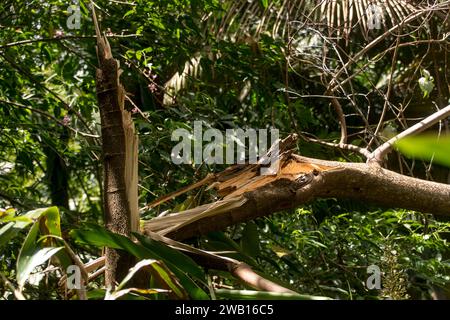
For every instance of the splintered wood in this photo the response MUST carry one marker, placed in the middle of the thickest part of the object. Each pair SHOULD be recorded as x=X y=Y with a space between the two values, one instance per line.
x=232 y=185
x=249 y=179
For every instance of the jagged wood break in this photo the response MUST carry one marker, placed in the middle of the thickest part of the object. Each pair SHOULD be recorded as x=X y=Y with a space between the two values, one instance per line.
x=246 y=195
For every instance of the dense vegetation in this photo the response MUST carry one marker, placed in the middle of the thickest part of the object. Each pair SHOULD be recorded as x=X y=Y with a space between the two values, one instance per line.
x=229 y=64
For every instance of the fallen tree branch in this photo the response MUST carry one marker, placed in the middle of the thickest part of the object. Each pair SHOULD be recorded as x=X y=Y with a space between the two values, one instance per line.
x=248 y=196
x=251 y=278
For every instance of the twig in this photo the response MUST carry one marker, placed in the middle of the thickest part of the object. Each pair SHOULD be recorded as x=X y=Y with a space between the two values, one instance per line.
x=388 y=94
x=345 y=146
x=334 y=82
x=19 y=105
x=17 y=293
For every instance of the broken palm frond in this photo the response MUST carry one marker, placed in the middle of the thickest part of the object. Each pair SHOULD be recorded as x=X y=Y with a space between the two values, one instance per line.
x=248 y=19
x=171 y=222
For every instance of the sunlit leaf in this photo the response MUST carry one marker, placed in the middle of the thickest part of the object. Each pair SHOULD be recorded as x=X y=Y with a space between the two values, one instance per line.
x=10 y=230
x=163 y=274
x=280 y=251
x=102 y=238
x=427 y=147
x=31 y=255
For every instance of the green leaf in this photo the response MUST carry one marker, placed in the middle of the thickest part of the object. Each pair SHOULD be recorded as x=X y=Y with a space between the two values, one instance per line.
x=101 y=237
x=132 y=11
x=52 y=221
x=163 y=273
x=426 y=83
x=10 y=230
x=31 y=255
x=426 y=147
x=172 y=256
x=250 y=240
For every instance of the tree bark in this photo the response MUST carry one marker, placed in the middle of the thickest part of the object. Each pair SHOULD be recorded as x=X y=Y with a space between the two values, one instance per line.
x=119 y=150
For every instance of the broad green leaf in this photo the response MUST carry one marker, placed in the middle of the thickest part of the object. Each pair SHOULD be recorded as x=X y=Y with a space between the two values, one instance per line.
x=27 y=263
x=169 y=255
x=10 y=230
x=52 y=221
x=170 y=280
x=250 y=240
x=426 y=147
x=163 y=274
x=31 y=255
x=6 y=214
x=102 y=238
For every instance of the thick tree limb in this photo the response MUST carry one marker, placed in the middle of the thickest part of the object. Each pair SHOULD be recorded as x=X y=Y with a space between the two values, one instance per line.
x=300 y=180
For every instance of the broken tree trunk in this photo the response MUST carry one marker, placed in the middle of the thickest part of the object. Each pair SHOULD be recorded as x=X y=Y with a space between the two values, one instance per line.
x=119 y=150
x=248 y=195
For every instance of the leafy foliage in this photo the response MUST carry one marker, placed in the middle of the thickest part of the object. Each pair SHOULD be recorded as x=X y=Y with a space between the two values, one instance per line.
x=228 y=64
